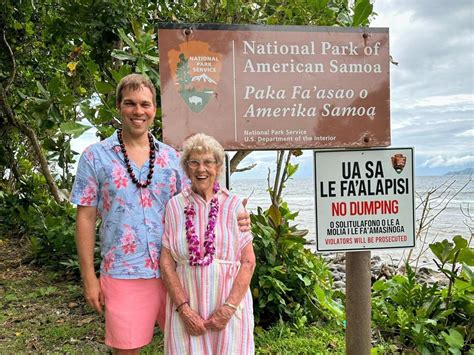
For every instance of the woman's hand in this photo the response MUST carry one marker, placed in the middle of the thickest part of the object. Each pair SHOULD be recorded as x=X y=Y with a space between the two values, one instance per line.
x=219 y=318
x=193 y=322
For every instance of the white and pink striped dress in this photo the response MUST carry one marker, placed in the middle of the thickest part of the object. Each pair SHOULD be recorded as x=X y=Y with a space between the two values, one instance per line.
x=208 y=286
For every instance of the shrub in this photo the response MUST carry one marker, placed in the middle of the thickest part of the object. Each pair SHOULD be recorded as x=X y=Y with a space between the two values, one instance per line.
x=289 y=283
x=51 y=233
x=31 y=214
x=427 y=318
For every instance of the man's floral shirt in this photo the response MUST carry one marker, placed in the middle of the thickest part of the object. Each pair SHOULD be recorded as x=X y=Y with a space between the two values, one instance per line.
x=131 y=218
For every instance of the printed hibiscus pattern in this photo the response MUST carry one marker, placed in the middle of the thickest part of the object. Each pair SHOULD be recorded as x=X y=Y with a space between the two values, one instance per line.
x=90 y=194
x=106 y=197
x=145 y=199
x=128 y=240
x=162 y=159
x=109 y=259
x=119 y=175
x=153 y=262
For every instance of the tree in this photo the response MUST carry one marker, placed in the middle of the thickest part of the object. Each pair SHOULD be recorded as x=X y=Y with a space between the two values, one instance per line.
x=60 y=61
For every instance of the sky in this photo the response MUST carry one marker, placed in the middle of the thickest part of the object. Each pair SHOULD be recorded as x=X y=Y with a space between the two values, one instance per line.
x=432 y=87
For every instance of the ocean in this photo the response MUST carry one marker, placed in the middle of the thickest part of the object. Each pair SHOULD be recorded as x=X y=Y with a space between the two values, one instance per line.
x=452 y=210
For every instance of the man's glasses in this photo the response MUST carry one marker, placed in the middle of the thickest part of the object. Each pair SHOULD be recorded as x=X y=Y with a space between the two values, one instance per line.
x=208 y=163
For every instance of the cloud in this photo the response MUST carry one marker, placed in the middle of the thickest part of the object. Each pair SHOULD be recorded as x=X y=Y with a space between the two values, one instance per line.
x=468 y=133
x=432 y=42
x=432 y=98
x=458 y=101
x=443 y=161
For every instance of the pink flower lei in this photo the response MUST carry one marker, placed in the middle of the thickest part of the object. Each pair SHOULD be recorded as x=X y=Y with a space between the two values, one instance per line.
x=195 y=257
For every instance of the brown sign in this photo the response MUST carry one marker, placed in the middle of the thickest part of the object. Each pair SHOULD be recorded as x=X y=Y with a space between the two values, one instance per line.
x=275 y=87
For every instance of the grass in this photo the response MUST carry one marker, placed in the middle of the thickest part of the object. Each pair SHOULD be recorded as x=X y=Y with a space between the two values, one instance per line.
x=316 y=339
x=43 y=311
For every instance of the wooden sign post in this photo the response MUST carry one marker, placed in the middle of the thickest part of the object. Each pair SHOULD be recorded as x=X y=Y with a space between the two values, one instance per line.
x=358 y=303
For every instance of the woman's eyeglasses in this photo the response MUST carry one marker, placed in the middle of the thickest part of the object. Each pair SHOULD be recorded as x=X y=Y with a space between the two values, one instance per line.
x=208 y=163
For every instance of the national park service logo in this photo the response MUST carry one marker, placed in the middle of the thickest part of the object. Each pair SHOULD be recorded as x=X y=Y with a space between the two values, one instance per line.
x=196 y=71
x=398 y=162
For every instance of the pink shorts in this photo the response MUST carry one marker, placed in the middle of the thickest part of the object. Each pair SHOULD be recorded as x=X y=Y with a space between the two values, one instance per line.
x=132 y=308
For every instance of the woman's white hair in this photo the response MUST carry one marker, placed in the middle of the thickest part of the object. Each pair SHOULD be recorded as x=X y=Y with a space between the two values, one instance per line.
x=202 y=143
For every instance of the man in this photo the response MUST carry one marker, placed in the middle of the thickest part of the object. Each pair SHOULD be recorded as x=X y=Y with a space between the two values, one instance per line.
x=126 y=180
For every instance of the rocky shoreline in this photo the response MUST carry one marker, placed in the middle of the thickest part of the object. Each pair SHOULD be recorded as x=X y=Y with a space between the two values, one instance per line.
x=380 y=269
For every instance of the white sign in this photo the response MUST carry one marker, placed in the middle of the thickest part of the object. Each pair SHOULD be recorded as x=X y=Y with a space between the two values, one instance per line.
x=364 y=199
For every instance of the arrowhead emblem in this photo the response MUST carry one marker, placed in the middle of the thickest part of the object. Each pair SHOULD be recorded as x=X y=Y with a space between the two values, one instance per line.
x=196 y=72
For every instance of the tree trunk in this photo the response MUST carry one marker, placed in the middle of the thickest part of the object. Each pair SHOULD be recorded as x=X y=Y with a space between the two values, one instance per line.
x=32 y=137
x=204 y=5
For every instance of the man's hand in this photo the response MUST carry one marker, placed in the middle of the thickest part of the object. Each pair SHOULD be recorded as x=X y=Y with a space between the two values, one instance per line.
x=243 y=218
x=93 y=294
x=219 y=319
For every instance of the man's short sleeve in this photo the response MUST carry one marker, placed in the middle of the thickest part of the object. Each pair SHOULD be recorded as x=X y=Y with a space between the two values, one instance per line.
x=86 y=185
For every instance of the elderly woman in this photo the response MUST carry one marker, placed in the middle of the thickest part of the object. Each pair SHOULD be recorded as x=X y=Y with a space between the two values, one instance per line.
x=206 y=262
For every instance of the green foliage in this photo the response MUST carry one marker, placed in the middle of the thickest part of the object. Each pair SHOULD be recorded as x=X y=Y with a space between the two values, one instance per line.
x=406 y=310
x=16 y=206
x=283 y=338
x=289 y=283
x=449 y=254
x=48 y=227
x=51 y=229
x=427 y=318
x=362 y=10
